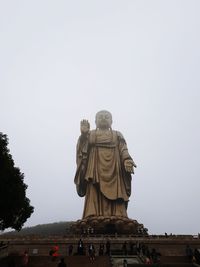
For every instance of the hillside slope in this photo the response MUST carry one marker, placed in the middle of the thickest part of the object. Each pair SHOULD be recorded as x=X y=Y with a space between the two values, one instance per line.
x=57 y=228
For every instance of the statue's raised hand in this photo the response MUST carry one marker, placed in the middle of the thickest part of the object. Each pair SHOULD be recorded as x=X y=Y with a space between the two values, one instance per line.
x=85 y=127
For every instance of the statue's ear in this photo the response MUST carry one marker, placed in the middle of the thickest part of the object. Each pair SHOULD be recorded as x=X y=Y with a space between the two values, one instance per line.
x=96 y=123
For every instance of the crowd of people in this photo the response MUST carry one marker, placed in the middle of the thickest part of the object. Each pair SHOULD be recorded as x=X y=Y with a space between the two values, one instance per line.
x=149 y=255
x=83 y=249
x=192 y=254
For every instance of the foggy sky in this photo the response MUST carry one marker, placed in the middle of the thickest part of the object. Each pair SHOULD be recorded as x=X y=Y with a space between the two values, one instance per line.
x=62 y=61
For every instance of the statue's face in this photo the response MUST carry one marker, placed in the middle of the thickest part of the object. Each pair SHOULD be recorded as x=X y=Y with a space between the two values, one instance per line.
x=103 y=119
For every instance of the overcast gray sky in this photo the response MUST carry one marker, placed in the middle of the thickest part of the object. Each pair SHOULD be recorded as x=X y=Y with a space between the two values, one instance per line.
x=62 y=61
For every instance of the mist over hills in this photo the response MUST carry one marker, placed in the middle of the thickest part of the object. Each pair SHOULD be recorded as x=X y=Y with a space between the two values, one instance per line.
x=57 y=228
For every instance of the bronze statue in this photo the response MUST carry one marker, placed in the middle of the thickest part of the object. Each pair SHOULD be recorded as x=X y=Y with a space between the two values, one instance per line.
x=104 y=169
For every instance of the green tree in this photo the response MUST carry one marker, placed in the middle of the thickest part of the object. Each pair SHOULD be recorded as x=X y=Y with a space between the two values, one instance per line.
x=15 y=207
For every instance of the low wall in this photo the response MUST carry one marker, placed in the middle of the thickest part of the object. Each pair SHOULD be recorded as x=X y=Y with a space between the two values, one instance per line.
x=36 y=246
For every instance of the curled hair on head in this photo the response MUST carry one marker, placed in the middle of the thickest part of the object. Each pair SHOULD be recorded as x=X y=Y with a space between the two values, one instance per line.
x=103 y=111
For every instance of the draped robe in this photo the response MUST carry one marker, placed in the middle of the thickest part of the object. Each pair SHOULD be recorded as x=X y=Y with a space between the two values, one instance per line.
x=100 y=174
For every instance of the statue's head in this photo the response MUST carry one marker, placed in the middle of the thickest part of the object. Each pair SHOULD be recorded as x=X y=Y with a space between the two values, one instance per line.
x=103 y=119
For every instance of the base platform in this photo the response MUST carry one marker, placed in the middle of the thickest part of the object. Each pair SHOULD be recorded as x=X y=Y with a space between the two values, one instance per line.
x=108 y=225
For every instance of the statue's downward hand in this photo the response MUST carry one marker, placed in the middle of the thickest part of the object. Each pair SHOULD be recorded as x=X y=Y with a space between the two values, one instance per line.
x=129 y=164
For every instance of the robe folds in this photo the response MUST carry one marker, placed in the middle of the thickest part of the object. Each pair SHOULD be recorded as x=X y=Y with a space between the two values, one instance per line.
x=100 y=174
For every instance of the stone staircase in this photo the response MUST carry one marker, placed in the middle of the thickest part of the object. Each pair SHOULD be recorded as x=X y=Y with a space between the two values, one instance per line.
x=171 y=250
x=100 y=261
x=165 y=261
x=175 y=261
x=118 y=260
x=46 y=261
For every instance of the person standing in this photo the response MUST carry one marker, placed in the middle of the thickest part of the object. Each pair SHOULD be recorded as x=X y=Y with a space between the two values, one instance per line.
x=25 y=259
x=62 y=263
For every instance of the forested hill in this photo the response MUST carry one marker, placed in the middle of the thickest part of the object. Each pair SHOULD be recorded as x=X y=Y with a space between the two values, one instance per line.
x=58 y=228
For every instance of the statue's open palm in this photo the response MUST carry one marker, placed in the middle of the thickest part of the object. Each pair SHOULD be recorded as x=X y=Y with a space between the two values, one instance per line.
x=85 y=126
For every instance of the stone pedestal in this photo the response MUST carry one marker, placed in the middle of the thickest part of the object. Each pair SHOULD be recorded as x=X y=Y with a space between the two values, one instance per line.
x=108 y=225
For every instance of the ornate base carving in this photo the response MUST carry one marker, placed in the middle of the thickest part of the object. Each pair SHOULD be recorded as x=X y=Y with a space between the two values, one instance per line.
x=108 y=225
